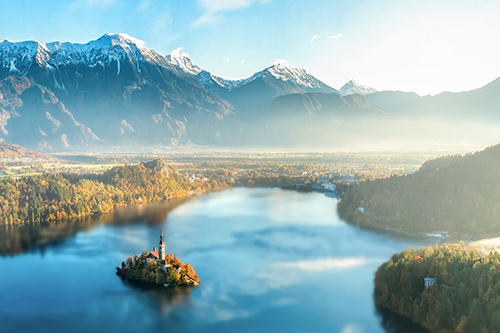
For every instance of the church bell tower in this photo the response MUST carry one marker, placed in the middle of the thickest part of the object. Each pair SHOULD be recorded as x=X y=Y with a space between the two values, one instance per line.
x=161 y=249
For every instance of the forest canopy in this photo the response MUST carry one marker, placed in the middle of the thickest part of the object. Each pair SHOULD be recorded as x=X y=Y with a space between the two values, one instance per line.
x=56 y=197
x=457 y=194
x=464 y=298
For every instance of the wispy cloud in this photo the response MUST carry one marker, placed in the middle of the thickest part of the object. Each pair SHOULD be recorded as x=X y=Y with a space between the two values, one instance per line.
x=179 y=52
x=243 y=61
x=281 y=62
x=326 y=264
x=226 y=59
x=322 y=37
x=335 y=36
x=212 y=9
x=162 y=21
x=145 y=4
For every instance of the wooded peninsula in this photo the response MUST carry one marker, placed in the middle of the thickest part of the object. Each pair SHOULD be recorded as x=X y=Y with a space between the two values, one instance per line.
x=456 y=194
x=49 y=198
x=460 y=292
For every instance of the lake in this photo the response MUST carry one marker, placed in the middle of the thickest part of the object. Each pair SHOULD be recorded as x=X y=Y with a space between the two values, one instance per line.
x=268 y=260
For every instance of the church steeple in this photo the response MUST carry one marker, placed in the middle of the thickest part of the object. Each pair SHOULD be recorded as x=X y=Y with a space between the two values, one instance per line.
x=161 y=248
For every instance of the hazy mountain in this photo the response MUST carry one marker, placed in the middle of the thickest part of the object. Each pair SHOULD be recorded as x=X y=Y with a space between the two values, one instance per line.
x=10 y=154
x=353 y=88
x=252 y=96
x=114 y=91
x=121 y=90
x=31 y=114
x=479 y=104
x=314 y=119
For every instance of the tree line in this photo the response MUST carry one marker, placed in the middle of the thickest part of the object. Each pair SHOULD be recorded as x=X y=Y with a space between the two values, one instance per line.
x=464 y=298
x=58 y=197
x=457 y=194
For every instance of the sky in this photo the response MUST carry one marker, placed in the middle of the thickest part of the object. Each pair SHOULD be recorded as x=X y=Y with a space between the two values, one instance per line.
x=422 y=46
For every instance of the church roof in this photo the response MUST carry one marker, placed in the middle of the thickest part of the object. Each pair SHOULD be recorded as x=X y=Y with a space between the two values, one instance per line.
x=153 y=254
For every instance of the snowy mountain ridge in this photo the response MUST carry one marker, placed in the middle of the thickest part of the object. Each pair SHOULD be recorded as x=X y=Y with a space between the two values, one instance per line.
x=352 y=88
x=184 y=63
x=284 y=72
x=18 y=58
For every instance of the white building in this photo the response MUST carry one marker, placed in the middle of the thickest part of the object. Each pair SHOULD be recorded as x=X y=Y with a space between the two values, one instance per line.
x=428 y=281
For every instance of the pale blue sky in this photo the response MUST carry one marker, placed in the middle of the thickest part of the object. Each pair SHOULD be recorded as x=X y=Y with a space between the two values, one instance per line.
x=424 y=46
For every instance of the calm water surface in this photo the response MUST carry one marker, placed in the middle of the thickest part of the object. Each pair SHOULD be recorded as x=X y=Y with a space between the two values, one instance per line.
x=268 y=259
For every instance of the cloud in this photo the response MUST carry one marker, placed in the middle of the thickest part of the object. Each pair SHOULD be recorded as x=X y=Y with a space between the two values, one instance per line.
x=351 y=328
x=326 y=264
x=281 y=62
x=126 y=127
x=163 y=21
x=336 y=36
x=226 y=59
x=243 y=61
x=212 y=8
x=224 y=5
x=315 y=37
x=64 y=140
x=144 y=5
x=205 y=19
x=179 y=52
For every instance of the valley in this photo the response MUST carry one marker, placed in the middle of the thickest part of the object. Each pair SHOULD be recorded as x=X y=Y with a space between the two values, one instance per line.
x=249 y=166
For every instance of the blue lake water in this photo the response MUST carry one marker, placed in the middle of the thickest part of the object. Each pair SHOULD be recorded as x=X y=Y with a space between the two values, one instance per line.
x=268 y=259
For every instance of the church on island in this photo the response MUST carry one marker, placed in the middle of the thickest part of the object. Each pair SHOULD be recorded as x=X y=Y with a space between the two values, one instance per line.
x=156 y=267
x=158 y=255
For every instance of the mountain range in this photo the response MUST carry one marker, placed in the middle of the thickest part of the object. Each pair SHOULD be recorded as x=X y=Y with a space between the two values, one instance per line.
x=115 y=92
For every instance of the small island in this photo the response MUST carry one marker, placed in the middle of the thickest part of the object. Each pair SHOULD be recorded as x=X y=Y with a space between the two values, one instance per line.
x=155 y=267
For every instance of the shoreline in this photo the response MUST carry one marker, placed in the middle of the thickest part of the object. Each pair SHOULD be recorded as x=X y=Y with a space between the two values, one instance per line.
x=424 y=235
x=20 y=238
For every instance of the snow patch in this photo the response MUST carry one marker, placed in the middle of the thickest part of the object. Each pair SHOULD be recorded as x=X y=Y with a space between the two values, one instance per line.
x=352 y=87
x=13 y=68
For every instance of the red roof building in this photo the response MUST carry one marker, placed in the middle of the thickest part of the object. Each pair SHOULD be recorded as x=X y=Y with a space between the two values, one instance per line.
x=153 y=255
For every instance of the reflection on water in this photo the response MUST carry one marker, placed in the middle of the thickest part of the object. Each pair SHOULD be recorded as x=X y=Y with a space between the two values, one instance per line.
x=269 y=260
x=18 y=239
x=166 y=298
x=394 y=323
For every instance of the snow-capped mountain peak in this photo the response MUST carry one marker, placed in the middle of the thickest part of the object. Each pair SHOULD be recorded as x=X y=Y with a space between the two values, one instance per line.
x=18 y=57
x=121 y=39
x=117 y=49
x=287 y=73
x=184 y=63
x=352 y=87
x=6 y=40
